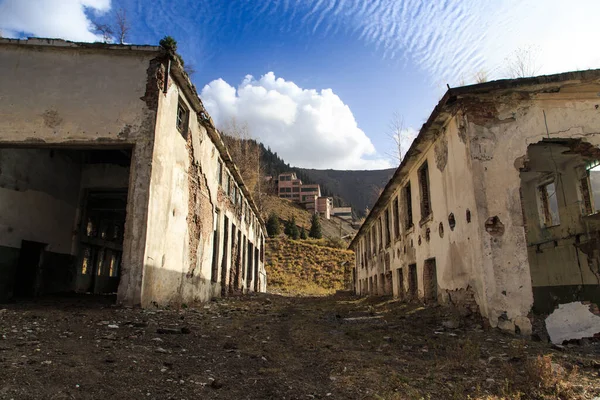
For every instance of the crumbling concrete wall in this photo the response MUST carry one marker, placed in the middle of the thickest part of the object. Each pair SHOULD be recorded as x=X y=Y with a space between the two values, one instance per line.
x=184 y=195
x=450 y=234
x=65 y=94
x=476 y=149
x=98 y=96
x=501 y=126
x=563 y=258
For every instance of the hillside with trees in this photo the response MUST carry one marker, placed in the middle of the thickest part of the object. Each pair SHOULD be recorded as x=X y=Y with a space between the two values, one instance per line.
x=255 y=161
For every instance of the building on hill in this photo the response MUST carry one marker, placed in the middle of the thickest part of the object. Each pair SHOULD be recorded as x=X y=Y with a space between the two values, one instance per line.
x=117 y=180
x=496 y=205
x=309 y=195
x=342 y=212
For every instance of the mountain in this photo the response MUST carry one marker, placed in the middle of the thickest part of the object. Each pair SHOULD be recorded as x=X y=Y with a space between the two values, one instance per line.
x=358 y=189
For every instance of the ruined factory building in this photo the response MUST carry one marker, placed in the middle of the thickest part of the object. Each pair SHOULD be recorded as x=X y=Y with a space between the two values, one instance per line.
x=113 y=178
x=496 y=206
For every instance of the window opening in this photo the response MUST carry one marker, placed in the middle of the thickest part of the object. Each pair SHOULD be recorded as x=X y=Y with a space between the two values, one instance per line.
x=591 y=188
x=220 y=173
x=549 y=200
x=408 y=202
x=182 y=118
x=396 y=213
x=388 y=234
x=424 y=187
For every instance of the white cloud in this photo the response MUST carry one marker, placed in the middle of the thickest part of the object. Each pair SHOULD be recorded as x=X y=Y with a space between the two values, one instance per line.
x=64 y=19
x=306 y=127
x=453 y=40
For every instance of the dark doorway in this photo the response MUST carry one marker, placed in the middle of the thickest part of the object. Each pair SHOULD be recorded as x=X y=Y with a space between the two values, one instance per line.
x=224 y=261
x=400 y=284
x=256 y=277
x=389 y=283
x=413 y=288
x=430 y=280
x=215 y=256
x=28 y=268
x=250 y=264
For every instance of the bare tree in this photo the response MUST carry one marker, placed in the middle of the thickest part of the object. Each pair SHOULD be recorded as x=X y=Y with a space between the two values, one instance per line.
x=522 y=62
x=246 y=154
x=481 y=76
x=105 y=30
x=122 y=26
x=395 y=129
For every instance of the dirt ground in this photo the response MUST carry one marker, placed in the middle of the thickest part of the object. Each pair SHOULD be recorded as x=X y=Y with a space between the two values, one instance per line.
x=272 y=347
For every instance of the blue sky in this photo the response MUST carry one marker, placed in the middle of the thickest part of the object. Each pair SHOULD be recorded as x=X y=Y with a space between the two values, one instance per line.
x=320 y=80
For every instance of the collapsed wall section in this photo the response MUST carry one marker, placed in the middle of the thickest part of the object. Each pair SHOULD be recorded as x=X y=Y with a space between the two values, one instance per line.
x=529 y=197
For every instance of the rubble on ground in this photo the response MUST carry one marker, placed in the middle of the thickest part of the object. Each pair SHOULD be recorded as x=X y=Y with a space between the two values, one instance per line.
x=572 y=321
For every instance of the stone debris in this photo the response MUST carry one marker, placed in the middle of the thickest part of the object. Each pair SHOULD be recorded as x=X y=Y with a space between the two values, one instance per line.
x=451 y=324
x=572 y=321
x=174 y=331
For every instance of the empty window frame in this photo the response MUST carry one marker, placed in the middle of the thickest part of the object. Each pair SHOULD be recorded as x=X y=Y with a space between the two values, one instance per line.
x=220 y=172
x=590 y=188
x=549 y=204
x=227 y=184
x=388 y=230
x=380 y=232
x=408 y=222
x=234 y=194
x=373 y=240
x=183 y=116
x=424 y=191
x=396 y=216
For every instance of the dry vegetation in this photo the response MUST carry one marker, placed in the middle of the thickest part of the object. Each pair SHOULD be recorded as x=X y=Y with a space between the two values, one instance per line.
x=306 y=267
x=285 y=209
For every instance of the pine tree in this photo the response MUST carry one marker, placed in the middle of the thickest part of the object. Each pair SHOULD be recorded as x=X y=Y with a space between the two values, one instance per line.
x=303 y=234
x=273 y=225
x=291 y=229
x=315 y=227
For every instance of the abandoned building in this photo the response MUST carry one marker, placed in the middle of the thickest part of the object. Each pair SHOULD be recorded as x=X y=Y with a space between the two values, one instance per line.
x=113 y=178
x=496 y=205
x=308 y=195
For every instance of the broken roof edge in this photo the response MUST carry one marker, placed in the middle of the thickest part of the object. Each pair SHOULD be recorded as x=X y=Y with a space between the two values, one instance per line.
x=62 y=43
x=191 y=93
x=512 y=83
x=452 y=93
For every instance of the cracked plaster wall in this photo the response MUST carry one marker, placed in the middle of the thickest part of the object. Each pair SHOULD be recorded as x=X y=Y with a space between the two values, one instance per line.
x=184 y=195
x=498 y=141
x=74 y=96
x=456 y=250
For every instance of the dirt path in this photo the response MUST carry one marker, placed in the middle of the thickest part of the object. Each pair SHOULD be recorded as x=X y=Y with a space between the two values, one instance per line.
x=270 y=347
